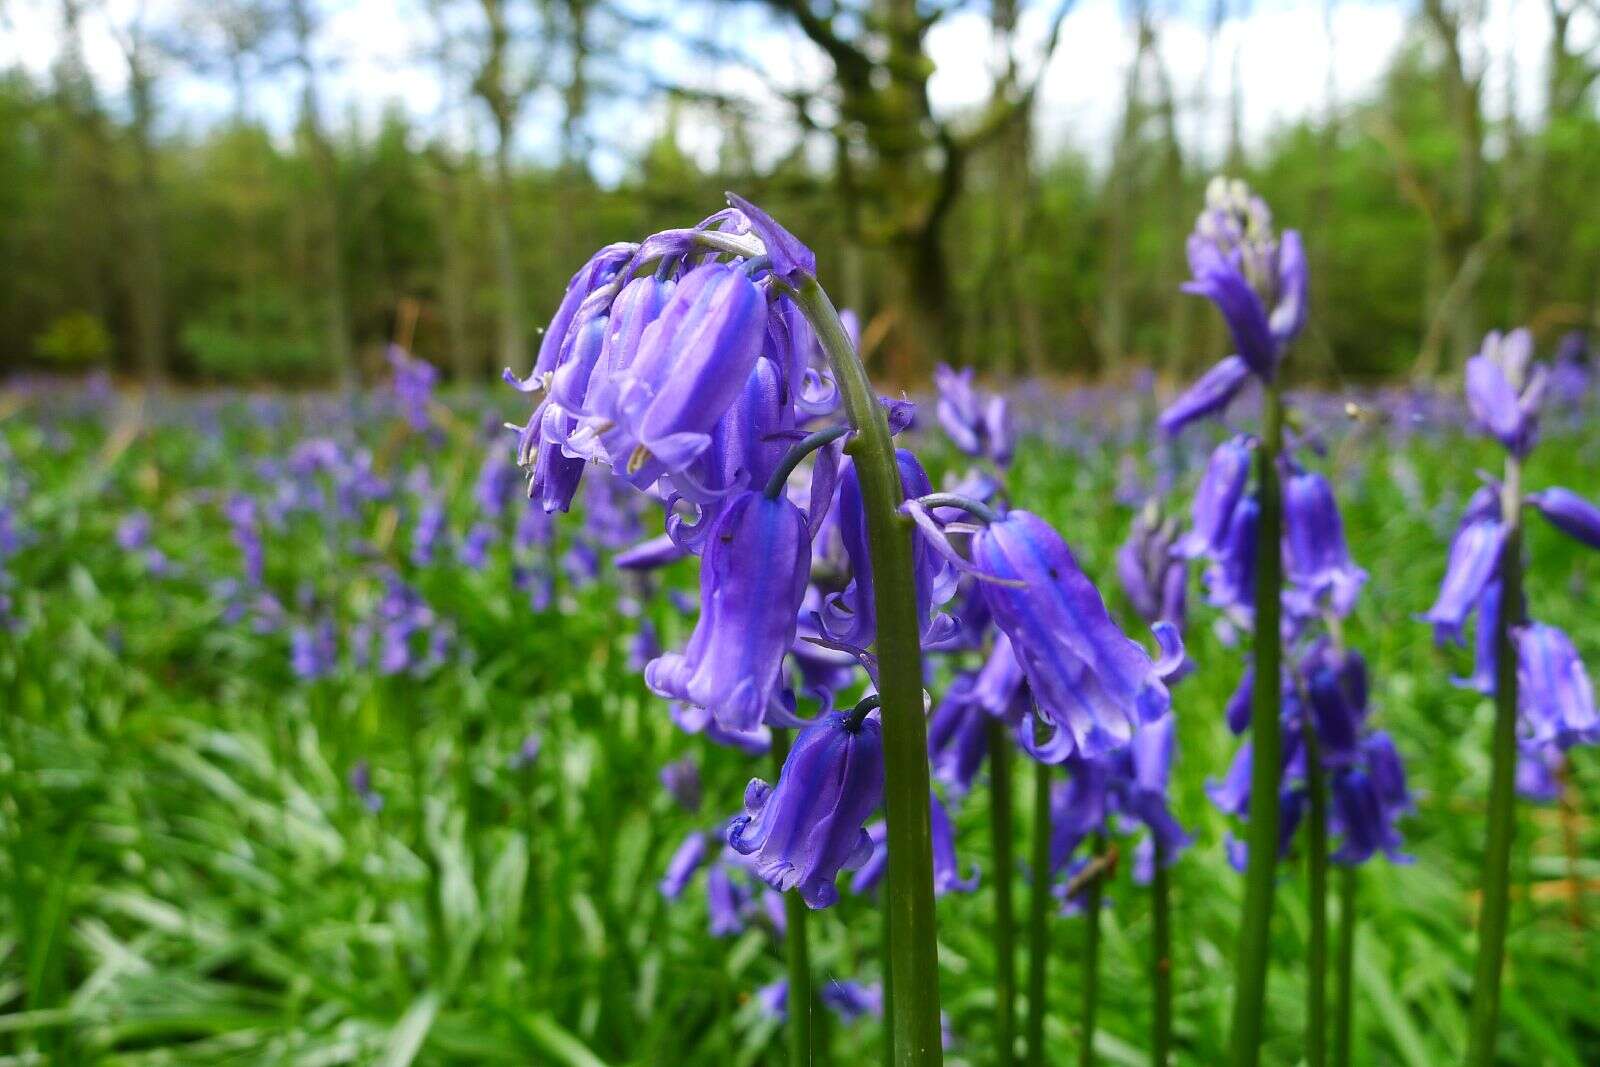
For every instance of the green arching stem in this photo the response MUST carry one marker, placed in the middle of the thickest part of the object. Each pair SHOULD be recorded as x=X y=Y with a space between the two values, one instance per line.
x=1039 y=915
x=803 y=448
x=1005 y=961
x=913 y=944
x=1161 y=959
x=1093 y=896
x=1344 y=967
x=1316 y=902
x=1494 y=916
x=1266 y=739
x=795 y=945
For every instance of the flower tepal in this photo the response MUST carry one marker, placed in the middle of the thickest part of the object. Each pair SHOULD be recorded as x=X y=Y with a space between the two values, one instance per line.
x=752 y=579
x=803 y=831
x=1090 y=679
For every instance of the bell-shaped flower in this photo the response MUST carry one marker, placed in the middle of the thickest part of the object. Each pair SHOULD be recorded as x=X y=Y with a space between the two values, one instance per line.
x=1154 y=578
x=1216 y=499
x=1319 y=568
x=1505 y=390
x=1474 y=562
x=1210 y=395
x=978 y=426
x=681 y=868
x=851 y=617
x=1569 y=513
x=1336 y=696
x=752 y=578
x=1554 y=692
x=656 y=415
x=946 y=867
x=1231 y=578
x=1089 y=680
x=958 y=736
x=801 y=832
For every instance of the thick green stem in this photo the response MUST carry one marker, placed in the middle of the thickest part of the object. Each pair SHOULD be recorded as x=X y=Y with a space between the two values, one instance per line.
x=913 y=944
x=1261 y=868
x=1502 y=787
x=1039 y=916
x=1316 y=903
x=1161 y=960
x=795 y=946
x=1344 y=990
x=1093 y=897
x=1005 y=963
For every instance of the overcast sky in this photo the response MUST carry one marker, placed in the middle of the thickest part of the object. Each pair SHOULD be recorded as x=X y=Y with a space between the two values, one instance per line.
x=377 y=52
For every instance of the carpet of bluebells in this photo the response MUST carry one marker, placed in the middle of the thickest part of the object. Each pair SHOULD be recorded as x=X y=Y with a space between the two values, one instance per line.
x=322 y=746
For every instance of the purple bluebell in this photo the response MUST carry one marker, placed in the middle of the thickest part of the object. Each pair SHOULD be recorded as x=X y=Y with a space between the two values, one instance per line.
x=1321 y=574
x=1257 y=279
x=803 y=831
x=978 y=426
x=473 y=551
x=1505 y=390
x=696 y=720
x=413 y=384
x=527 y=753
x=681 y=868
x=1155 y=579
x=427 y=532
x=1362 y=819
x=947 y=876
x=681 y=780
x=133 y=532
x=748 y=614
x=313 y=650
x=958 y=738
x=361 y=786
x=870 y=874
x=851 y=1000
x=1336 y=697
x=726 y=901
x=245 y=519
x=1569 y=513
x=1217 y=498
x=656 y=415
x=850 y=617
x=1088 y=679
x=1474 y=559
x=773 y=999
x=1537 y=773
x=497 y=483
x=1553 y=688
x=648 y=555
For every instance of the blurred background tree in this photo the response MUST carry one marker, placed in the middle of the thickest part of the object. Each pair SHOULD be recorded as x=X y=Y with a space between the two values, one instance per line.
x=219 y=190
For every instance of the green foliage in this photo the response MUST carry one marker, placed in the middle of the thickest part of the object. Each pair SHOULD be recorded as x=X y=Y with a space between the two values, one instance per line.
x=76 y=339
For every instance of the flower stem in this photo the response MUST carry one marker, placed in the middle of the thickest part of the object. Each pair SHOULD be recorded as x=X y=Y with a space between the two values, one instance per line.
x=1344 y=991
x=1494 y=915
x=1161 y=959
x=1039 y=915
x=913 y=943
x=795 y=946
x=1093 y=896
x=1005 y=979
x=1266 y=738
x=1316 y=902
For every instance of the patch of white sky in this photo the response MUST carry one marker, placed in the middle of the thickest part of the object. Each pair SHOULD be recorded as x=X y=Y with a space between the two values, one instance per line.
x=380 y=54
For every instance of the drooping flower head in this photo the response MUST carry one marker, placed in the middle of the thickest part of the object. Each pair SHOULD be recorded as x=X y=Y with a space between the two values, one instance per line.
x=803 y=831
x=1505 y=390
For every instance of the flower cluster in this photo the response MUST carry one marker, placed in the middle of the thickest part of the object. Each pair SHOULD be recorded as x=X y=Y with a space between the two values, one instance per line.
x=1556 y=705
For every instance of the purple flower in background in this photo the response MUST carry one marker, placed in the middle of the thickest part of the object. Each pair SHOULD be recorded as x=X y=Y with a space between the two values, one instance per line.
x=774 y=1000
x=726 y=901
x=851 y=1000
x=1555 y=694
x=681 y=778
x=946 y=867
x=133 y=532
x=1538 y=769
x=748 y=614
x=428 y=530
x=361 y=785
x=1319 y=567
x=497 y=483
x=1089 y=680
x=244 y=518
x=1336 y=696
x=958 y=736
x=979 y=427
x=527 y=753
x=1505 y=390
x=686 y=860
x=1569 y=513
x=1474 y=559
x=803 y=831
x=1153 y=576
x=1217 y=499
x=313 y=650
x=413 y=384
x=1365 y=819
x=473 y=551
x=1257 y=279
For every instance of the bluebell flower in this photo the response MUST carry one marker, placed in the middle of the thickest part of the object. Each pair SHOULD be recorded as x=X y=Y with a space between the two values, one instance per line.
x=313 y=650
x=947 y=877
x=361 y=785
x=1474 y=563
x=958 y=738
x=1321 y=574
x=1554 y=692
x=851 y=1000
x=803 y=831
x=1088 y=679
x=1153 y=576
x=1569 y=513
x=681 y=779
x=748 y=614
x=1505 y=390
x=978 y=426
x=726 y=902
x=413 y=384
x=686 y=860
